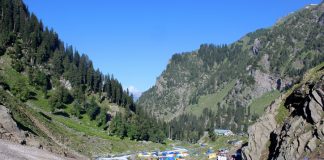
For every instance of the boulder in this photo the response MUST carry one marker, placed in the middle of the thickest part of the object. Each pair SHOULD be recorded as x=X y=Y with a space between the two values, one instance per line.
x=66 y=83
x=315 y=111
x=320 y=131
x=302 y=141
x=311 y=145
x=318 y=97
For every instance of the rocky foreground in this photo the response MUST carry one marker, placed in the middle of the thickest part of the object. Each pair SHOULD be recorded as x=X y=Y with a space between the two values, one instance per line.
x=13 y=151
x=22 y=145
x=293 y=127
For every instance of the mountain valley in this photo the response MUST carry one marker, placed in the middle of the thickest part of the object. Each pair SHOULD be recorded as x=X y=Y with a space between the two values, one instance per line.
x=260 y=97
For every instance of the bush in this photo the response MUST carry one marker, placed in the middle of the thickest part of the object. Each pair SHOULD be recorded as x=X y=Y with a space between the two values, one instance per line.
x=77 y=110
x=103 y=118
x=92 y=109
x=20 y=90
x=39 y=79
x=60 y=97
x=212 y=135
x=55 y=103
x=17 y=65
x=2 y=50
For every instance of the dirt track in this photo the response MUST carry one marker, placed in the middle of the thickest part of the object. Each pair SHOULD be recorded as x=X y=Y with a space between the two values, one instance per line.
x=11 y=151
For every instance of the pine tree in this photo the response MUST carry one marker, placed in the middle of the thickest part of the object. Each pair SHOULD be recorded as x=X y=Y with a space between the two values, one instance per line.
x=20 y=90
x=90 y=76
x=58 y=67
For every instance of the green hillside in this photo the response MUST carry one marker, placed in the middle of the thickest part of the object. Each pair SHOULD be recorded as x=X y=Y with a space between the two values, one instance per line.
x=56 y=95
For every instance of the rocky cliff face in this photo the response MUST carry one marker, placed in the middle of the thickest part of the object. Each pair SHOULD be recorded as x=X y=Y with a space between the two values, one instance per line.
x=300 y=134
x=259 y=134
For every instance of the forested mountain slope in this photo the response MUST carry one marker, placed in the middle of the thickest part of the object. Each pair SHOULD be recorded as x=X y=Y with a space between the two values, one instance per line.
x=237 y=81
x=53 y=98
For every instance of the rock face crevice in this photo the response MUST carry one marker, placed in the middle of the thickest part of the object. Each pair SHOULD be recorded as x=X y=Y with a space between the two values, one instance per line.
x=302 y=133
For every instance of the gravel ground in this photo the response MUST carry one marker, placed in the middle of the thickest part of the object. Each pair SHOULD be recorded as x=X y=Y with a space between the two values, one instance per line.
x=12 y=151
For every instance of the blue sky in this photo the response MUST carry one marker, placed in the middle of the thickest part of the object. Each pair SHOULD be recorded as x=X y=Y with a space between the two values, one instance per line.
x=134 y=39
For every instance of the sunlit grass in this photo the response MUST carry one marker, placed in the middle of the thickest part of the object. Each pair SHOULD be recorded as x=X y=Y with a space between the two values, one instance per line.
x=258 y=105
x=210 y=101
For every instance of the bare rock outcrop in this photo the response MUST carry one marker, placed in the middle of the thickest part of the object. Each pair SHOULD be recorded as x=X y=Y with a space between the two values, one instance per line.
x=256 y=46
x=259 y=133
x=66 y=83
x=8 y=127
x=302 y=125
x=10 y=131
